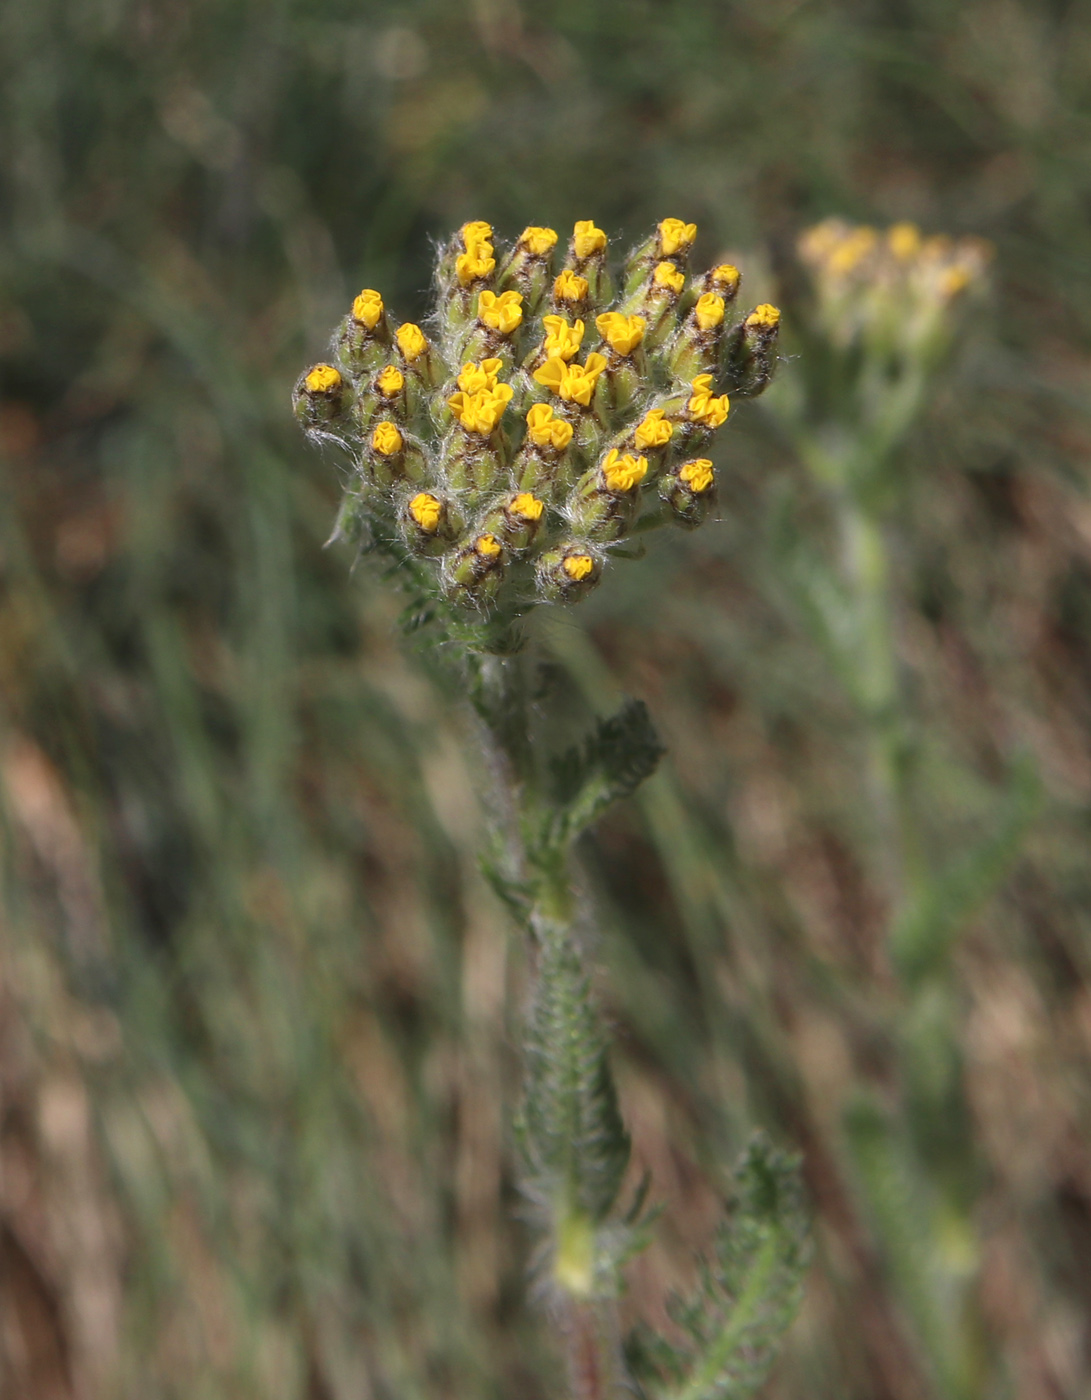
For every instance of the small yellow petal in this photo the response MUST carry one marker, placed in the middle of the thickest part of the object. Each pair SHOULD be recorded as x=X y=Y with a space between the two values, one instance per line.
x=709 y=311
x=653 y=430
x=411 y=341
x=538 y=241
x=526 y=506
x=426 y=511
x=577 y=566
x=765 y=315
x=697 y=475
x=367 y=308
x=570 y=287
x=488 y=546
x=676 y=236
x=727 y=276
x=387 y=439
x=668 y=276
x=622 y=473
x=587 y=239
x=390 y=382
x=323 y=379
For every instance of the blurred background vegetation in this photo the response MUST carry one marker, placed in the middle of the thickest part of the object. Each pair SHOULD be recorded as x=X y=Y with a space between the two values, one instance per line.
x=258 y=1011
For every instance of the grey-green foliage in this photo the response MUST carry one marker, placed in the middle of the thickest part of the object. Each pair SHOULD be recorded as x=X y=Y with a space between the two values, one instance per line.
x=612 y=762
x=572 y=1141
x=747 y=1293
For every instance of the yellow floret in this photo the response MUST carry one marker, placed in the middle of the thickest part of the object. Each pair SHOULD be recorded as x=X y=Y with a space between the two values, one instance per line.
x=426 y=511
x=667 y=275
x=851 y=251
x=526 y=506
x=705 y=407
x=475 y=265
x=726 y=275
x=481 y=411
x=622 y=333
x=544 y=430
x=577 y=566
x=709 y=311
x=387 y=439
x=623 y=473
x=390 y=382
x=697 y=475
x=653 y=430
x=570 y=287
x=676 y=236
x=367 y=308
x=503 y=313
x=574 y=383
x=323 y=379
x=411 y=341
x=473 y=378
x=764 y=315
x=475 y=233
x=904 y=241
x=562 y=340
x=538 y=241
x=488 y=546
x=587 y=239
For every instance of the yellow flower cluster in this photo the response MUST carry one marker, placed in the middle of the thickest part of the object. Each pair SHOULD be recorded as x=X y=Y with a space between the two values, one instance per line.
x=533 y=504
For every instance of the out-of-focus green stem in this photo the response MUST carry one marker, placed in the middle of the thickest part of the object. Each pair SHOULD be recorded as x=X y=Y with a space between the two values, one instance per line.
x=865 y=561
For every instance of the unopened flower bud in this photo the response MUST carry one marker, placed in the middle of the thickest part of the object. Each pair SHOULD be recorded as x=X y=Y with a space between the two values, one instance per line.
x=569 y=572
x=655 y=297
x=363 y=340
x=750 y=351
x=538 y=466
x=477 y=570
x=689 y=489
x=391 y=455
x=604 y=500
x=528 y=268
x=430 y=523
x=571 y=293
x=418 y=358
x=516 y=520
x=320 y=398
x=695 y=348
x=587 y=259
x=561 y=342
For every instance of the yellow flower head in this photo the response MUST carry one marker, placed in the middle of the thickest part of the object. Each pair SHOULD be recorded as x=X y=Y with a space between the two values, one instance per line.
x=481 y=411
x=953 y=281
x=475 y=233
x=904 y=241
x=709 y=311
x=538 y=241
x=577 y=566
x=386 y=439
x=487 y=546
x=562 y=339
x=546 y=431
x=574 y=383
x=475 y=265
x=727 y=276
x=503 y=313
x=474 y=378
x=704 y=406
x=570 y=287
x=367 y=308
x=676 y=236
x=653 y=430
x=426 y=511
x=323 y=379
x=622 y=333
x=765 y=316
x=851 y=251
x=390 y=382
x=526 y=507
x=587 y=239
x=411 y=341
x=697 y=475
x=667 y=275
x=623 y=473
